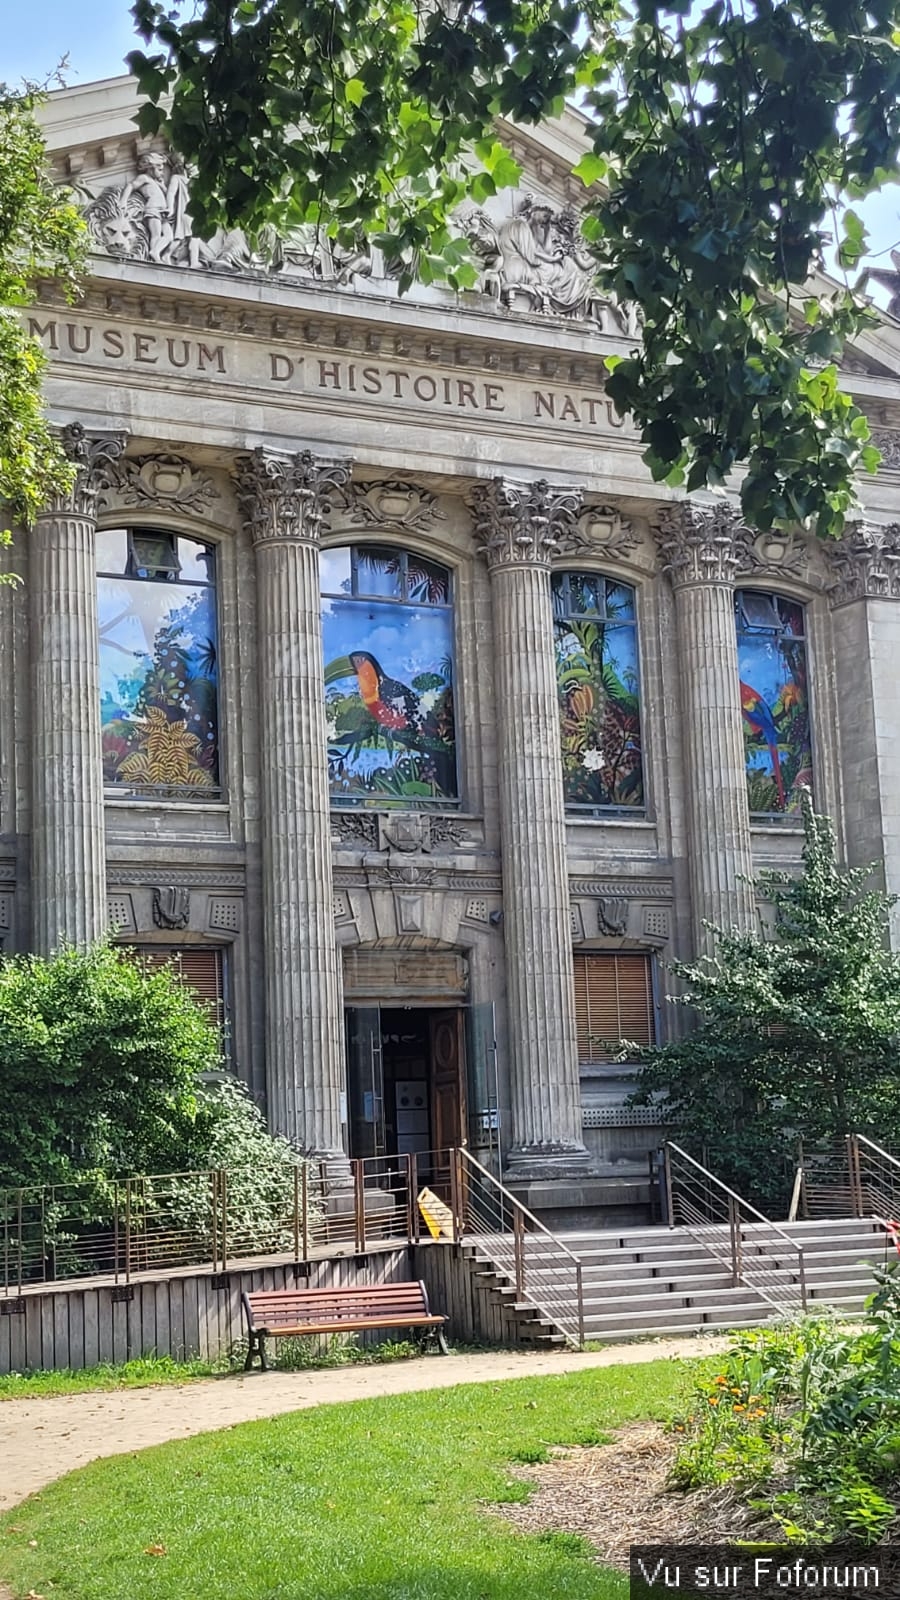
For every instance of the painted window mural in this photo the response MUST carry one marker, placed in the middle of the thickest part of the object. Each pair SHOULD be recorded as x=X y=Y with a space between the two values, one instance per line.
x=599 y=696
x=387 y=631
x=156 y=602
x=771 y=640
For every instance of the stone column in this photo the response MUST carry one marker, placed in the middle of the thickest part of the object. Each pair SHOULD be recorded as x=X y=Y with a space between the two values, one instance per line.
x=518 y=526
x=68 y=875
x=865 y=600
x=702 y=547
x=283 y=497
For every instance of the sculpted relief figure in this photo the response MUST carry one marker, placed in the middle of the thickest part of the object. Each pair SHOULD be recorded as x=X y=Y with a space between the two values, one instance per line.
x=536 y=260
x=147 y=219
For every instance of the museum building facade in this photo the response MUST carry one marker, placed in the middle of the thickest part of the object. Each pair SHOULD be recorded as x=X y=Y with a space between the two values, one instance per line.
x=366 y=675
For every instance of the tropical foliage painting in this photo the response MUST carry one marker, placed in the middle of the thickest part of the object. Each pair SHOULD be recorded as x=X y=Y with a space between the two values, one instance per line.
x=599 y=700
x=774 y=701
x=158 y=668
x=387 y=629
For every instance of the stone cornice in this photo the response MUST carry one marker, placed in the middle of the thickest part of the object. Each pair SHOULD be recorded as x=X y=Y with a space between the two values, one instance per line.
x=94 y=458
x=283 y=497
x=701 y=544
x=521 y=524
x=866 y=563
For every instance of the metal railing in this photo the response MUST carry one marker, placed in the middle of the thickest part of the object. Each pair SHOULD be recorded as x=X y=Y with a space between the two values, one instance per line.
x=121 y=1229
x=545 y=1273
x=746 y=1242
x=851 y=1177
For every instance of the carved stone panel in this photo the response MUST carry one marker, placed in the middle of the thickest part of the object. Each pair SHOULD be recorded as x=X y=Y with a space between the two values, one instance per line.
x=171 y=907
x=612 y=916
x=160 y=482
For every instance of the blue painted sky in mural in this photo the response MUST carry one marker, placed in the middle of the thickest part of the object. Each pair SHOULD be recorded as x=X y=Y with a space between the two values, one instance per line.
x=131 y=616
x=405 y=640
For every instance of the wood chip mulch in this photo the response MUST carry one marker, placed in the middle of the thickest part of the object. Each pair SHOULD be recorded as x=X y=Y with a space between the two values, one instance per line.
x=617 y=1494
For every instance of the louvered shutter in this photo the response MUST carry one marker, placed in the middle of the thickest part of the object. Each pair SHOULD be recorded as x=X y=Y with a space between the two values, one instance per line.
x=613 y=1000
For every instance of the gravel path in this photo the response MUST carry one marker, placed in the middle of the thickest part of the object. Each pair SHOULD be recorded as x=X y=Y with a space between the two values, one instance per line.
x=44 y=1438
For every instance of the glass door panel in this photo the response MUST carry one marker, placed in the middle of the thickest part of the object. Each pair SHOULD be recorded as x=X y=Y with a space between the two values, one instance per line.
x=484 y=1094
x=365 y=1082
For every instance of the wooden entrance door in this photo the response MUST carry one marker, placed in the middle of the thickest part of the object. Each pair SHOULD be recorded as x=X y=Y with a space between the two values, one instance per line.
x=448 y=1079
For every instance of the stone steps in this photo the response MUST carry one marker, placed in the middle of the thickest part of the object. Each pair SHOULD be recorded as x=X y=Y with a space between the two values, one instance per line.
x=650 y=1281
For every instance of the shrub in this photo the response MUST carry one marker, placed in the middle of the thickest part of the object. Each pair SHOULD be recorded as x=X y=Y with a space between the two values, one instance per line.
x=807 y=1418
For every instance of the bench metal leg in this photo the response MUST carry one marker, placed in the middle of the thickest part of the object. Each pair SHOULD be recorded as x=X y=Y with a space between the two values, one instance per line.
x=442 y=1342
x=256 y=1347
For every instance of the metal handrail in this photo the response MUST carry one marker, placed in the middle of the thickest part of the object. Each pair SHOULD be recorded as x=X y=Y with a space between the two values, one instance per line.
x=569 y=1319
x=734 y=1205
x=854 y=1177
x=872 y=1190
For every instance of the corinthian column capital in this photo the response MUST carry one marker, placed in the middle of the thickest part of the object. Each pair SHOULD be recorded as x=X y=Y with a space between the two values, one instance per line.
x=93 y=457
x=521 y=524
x=701 y=544
x=284 y=496
x=866 y=563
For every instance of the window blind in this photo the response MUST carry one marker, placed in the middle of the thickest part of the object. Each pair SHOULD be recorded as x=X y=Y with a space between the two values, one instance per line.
x=199 y=968
x=613 y=1000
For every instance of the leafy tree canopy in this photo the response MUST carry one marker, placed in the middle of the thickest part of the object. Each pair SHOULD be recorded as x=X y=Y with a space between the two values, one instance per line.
x=723 y=144
x=101 y=1064
x=41 y=236
x=799 y=1033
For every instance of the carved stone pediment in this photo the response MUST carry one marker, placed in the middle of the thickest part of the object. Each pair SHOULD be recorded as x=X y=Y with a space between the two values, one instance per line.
x=773 y=555
x=160 y=481
x=599 y=531
x=386 y=504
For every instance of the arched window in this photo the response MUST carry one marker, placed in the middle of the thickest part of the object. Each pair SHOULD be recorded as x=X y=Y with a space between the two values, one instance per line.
x=599 y=697
x=771 y=637
x=156 y=603
x=387 y=631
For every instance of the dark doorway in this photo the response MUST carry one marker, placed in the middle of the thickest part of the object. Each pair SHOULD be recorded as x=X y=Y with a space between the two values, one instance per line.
x=405 y=1079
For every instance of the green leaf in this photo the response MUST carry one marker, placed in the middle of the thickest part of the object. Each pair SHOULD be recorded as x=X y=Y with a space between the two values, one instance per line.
x=355 y=91
x=590 y=169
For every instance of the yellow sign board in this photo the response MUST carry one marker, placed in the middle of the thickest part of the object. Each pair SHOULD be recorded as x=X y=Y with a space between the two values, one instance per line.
x=438 y=1217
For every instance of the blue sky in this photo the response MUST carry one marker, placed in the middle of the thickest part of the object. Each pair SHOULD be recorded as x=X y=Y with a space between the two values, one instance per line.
x=97 y=34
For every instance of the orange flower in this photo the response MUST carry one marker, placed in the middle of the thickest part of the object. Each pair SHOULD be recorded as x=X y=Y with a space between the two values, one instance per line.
x=721 y=1378
x=714 y=1399
x=739 y=1408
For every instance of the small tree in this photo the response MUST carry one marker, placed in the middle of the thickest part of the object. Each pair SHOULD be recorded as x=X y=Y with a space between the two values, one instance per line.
x=799 y=1033
x=101 y=1063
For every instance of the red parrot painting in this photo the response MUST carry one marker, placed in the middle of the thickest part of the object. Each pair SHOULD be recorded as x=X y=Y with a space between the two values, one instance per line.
x=760 y=720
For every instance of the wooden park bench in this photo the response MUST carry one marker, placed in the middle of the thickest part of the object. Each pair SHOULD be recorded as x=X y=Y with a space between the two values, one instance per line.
x=301 y=1313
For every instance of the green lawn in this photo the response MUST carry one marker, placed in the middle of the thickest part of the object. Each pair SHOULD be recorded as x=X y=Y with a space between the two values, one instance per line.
x=375 y=1500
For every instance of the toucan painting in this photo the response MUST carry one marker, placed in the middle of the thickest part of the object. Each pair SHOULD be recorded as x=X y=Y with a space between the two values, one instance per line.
x=390 y=722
